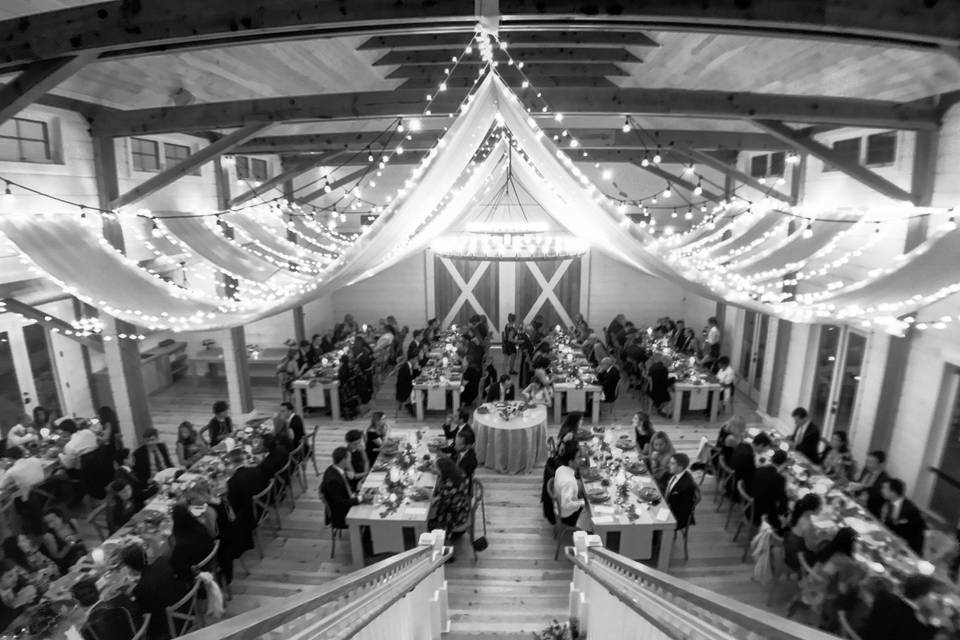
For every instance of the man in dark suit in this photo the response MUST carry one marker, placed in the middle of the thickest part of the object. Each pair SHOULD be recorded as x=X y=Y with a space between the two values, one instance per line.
x=156 y=589
x=220 y=425
x=608 y=376
x=682 y=492
x=359 y=465
x=406 y=372
x=744 y=464
x=124 y=471
x=294 y=424
x=465 y=456
x=277 y=455
x=245 y=483
x=151 y=456
x=452 y=427
x=335 y=490
x=769 y=490
x=470 y=385
x=896 y=617
x=869 y=486
x=806 y=436
x=901 y=516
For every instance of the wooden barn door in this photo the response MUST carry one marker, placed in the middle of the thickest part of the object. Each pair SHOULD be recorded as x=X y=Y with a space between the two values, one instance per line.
x=550 y=288
x=464 y=288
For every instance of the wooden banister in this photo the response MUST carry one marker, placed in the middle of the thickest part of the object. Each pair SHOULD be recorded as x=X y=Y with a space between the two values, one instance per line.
x=373 y=588
x=735 y=618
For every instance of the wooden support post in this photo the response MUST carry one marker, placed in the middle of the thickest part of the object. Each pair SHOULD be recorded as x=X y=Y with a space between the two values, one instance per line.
x=108 y=186
x=922 y=185
x=888 y=406
x=299 y=326
x=288 y=193
x=35 y=80
x=126 y=379
x=239 y=391
x=798 y=179
x=855 y=170
x=185 y=166
x=222 y=182
x=736 y=174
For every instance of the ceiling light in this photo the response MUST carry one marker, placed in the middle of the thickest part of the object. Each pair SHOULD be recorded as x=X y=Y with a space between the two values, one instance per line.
x=626 y=126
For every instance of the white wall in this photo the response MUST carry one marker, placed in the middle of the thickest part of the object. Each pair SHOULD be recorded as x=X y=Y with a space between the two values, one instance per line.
x=399 y=291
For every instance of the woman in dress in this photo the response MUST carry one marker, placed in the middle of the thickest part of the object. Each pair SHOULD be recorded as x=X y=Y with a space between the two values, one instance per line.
x=643 y=431
x=451 y=505
x=287 y=373
x=837 y=461
x=802 y=536
x=376 y=433
x=61 y=540
x=661 y=450
x=568 y=429
x=111 y=436
x=120 y=504
x=731 y=433
x=833 y=585
x=510 y=340
x=190 y=543
x=189 y=445
x=659 y=384
x=540 y=389
x=24 y=552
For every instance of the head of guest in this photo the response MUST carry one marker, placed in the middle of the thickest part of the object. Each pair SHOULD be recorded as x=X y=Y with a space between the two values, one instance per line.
x=269 y=443
x=150 y=437
x=315 y=340
x=690 y=333
x=134 y=556
x=388 y=328
x=221 y=409
x=505 y=379
x=354 y=439
x=85 y=592
x=918 y=588
x=464 y=414
x=540 y=377
x=723 y=362
x=605 y=363
x=808 y=504
x=185 y=525
x=67 y=425
x=567 y=453
x=843 y=542
x=465 y=440
x=678 y=463
x=391 y=321
x=304 y=346
x=711 y=321
x=432 y=323
x=641 y=422
x=780 y=459
x=417 y=334
x=839 y=442
x=40 y=417
x=348 y=319
x=876 y=461
x=893 y=489
x=122 y=458
x=660 y=444
x=186 y=433
x=572 y=422
x=237 y=458
x=377 y=420
x=108 y=417
x=680 y=326
x=762 y=442
x=341 y=457
x=800 y=416
x=736 y=426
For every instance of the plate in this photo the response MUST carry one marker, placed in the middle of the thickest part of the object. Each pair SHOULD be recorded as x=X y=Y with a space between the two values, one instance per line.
x=626 y=444
x=419 y=494
x=636 y=468
x=589 y=474
x=649 y=494
x=598 y=498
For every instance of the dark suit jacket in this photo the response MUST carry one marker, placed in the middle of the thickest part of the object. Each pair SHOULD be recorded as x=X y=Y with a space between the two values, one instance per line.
x=468 y=462
x=296 y=429
x=682 y=499
x=810 y=445
x=141 y=461
x=875 y=499
x=744 y=466
x=769 y=491
x=274 y=461
x=405 y=375
x=217 y=432
x=891 y=618
x=157 y=589
x=241 y=487
x=413 y=351
x=909 y=524
x=335 y=492
x=471 y=385
x=189 y=552
x=609 y=379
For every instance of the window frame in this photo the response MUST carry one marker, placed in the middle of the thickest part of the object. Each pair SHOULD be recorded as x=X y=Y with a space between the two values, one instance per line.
x=135 y=153
x=177 y=159
x=828 y=168
x=755 y=166
x=866 y=149
x=18 y=139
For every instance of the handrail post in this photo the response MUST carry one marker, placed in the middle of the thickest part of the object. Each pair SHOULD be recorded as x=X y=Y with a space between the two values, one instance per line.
x=439 y=617
x=579 y=607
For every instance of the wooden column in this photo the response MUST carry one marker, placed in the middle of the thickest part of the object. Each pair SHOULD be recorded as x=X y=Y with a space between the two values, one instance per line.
x=922 y=185
x=893 y=376
x=299 y=326
x=235 y=366
x=798 y=179
x=108 y=187
x=126 y=379
x=234 y=342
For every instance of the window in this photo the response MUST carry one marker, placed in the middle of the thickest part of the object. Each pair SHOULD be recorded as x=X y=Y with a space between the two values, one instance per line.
x=777 y=162
x=23 y=140
x=145 y=155
x=848 y=150
x=174 y=154
x=252 y=169
x=758 y=166
x=882 y=148
x=767 y=165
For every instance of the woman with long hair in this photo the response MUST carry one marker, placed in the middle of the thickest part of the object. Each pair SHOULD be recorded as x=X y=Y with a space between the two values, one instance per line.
x=376 y=433
x=110 y=436
x=643 y=431
x=61 y=540
x=190 y=542
x=837 y=461
x=120 y=504
x=189 y=445
x=451 y=506
x=802 y=536
x=569 y=427
x=833 y=585
x=661 y=450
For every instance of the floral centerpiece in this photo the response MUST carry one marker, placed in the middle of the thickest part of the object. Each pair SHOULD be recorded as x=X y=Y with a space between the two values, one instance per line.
x=559 y=631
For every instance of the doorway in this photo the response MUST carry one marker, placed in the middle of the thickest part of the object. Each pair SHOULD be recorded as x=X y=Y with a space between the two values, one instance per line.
x=945 y=497
x=836 y=383
x=27 y=373
x=753 y=349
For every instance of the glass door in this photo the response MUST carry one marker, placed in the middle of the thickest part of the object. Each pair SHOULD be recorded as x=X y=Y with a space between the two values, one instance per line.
x=17 y=364
x=753 y=348
x=945 y=498
x=836 y=383
x=11 y=401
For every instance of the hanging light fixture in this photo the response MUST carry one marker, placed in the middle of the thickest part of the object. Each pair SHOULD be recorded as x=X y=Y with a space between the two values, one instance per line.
x=506 y=234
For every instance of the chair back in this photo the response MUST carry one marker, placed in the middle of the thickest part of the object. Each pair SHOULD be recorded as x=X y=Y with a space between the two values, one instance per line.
x=282 y=476
x=703 y=450
x=746 y=497
x=477 y=503
x=296 y=456
x=98 y=520
x=262 y=503
x=144 y=628
x=845 y=627
x=805 y=569
x=186 y=614
x=210 y=562
x=551 y=491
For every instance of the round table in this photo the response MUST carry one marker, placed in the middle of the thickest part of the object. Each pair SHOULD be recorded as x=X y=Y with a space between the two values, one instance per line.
x=511 y=446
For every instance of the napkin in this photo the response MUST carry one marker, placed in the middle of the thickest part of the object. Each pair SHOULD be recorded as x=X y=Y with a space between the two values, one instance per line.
x=417 y=510
x=602 y=509
x=72 y=634
x=375 y=478
x=663 y=514
x=228 y=444
x=603 y=519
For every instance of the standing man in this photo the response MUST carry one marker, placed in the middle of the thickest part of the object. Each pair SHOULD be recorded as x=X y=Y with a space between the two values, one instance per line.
x=711 y=342
x=291 y=424
x=682 y=492
x=806 y=436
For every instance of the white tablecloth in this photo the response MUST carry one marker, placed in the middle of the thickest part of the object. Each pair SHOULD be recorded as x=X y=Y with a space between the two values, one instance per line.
x=511 y=446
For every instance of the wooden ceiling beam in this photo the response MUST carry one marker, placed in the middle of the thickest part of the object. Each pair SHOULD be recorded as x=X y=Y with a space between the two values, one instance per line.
x=729 y=169
x=529 y=55
x=35 y=81
x=12 y=305
x=298 y=168
x=578 y=68
x=536 y=79
x=119 y=28
x=566 y=37
x=634 y=101
x=185 y=166
x=678 y=181
x=855 y=170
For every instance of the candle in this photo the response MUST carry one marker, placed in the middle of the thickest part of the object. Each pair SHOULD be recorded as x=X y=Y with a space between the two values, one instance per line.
x=98 y=555
x=394 y=474
x=925 y=568
x=44 y=433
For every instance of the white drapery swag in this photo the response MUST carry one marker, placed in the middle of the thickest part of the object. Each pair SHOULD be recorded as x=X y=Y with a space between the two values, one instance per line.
x=437 y=195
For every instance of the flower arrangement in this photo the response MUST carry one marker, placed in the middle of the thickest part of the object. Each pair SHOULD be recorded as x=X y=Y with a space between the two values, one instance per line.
x=557 y=631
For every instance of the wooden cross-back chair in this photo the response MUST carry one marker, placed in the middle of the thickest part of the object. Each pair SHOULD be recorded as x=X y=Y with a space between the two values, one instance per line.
x=186 y=614
x=263 y=506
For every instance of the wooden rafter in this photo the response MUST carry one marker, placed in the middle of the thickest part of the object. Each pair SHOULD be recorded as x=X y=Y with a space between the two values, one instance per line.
x=185 y=166
x=530 y=55
x=731 y=171
x=552 y=38
x=36 y=80
x=544 y=70
x=122 y=28
x=609 y=101
x=513 y=80
x=855 y=170
x=676 y=180
x=53 y=323
x=300 y=167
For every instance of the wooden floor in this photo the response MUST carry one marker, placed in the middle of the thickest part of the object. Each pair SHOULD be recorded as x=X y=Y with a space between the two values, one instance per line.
x=516 y=586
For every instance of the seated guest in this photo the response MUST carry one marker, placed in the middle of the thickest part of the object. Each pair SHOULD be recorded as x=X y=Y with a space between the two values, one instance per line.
x=643 y=432
x=834 y=583
x=41 y=419
x=17 y=591
x=345 y=328
x=726 y=377
x=869 y=485
x=802 y=536
x=501 y=389
x=336 y=491
x=303 y=358
x=743 y=460
x=735 y=427
x=61 y=540
x=837 y=461
x=490 y=385
x=806 y=436
x=110 y=434
x=293 y=430
x=569 y=427
x=190 y=543
x=898 y=616
x=566 y=487
x=24 y=552
x=540 y=389
x=466 y=457
x=150 y=457
x=359 y=466
x=470 y=384
x=661 y=450
x=406 y=373
x=451 y=428
x=22 y=433
x=659 y=384
x=901 y=516
x=541 y=357
x=110 y=615
x=277 y=456
x=682 y=493
x=82 y=441
x=376 y=434
x=220 y=425
x=451 y=503
x=120 y=505
x=608 y=375
x=246 y=482
x=769 y=490
x=189 y=445
x=123 y=470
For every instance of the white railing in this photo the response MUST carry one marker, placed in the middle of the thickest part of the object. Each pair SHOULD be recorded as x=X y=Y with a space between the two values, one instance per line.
x=401 y=598
x=614 y=597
